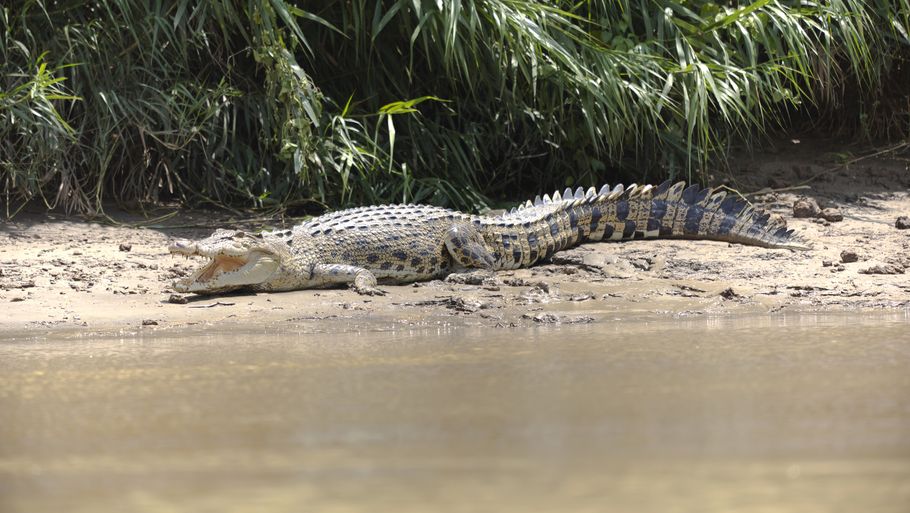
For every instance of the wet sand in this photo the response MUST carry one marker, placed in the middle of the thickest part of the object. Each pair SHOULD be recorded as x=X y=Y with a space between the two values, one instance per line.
x=750 y=414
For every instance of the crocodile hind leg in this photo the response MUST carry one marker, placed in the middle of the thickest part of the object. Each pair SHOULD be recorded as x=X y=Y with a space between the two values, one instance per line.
x=359 y=279
x=466 y=246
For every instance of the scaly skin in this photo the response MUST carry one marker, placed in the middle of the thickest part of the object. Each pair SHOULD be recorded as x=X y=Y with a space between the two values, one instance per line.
x=406 y=243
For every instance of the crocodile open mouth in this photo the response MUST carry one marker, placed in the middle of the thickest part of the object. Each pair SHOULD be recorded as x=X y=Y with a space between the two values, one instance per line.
x=218 y=273
x=215 y=266
x=227 y=268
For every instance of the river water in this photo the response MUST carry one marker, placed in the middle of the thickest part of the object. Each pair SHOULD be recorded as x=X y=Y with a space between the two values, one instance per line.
x=757 y=414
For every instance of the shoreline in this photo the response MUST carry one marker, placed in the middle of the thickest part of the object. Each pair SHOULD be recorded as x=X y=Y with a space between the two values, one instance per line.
x=59 y=274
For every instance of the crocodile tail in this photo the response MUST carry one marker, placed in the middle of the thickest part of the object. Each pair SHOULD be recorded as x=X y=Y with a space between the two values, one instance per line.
x=672 y=210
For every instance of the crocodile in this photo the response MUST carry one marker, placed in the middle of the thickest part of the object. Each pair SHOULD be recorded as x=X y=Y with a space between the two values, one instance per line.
x=394 y=244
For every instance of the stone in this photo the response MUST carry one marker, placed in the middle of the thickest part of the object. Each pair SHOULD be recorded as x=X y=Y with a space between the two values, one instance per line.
x=882 y=269
x=831 y=214
x=177 y=299
x=729 y=293
x=902 y=223
x=805 y=208
x=126 y=247
x=848 y=255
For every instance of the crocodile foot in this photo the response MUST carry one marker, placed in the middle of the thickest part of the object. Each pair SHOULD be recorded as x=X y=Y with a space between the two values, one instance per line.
x=367 y=290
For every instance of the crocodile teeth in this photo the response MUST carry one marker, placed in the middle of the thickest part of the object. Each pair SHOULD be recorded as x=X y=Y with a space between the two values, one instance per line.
x=546 y=199
x=604 y=190
x=590 y=193
x=567 y=194
x=579 y=193
x=537 y=201
x=556 y=196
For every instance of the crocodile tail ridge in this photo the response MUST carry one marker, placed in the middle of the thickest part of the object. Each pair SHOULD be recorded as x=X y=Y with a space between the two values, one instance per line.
x=668 y=210
x=677 y=211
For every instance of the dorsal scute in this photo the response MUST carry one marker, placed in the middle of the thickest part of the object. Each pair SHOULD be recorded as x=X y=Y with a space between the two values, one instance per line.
x=714 y=201
x=616 y=192
x=662 y=189
x=645 y=192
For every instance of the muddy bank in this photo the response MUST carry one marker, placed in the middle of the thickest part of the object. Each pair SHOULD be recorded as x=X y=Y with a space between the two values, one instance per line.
x=65 y=274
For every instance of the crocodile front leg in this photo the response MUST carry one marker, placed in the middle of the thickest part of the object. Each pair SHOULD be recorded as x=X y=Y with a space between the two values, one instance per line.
x=359 y=279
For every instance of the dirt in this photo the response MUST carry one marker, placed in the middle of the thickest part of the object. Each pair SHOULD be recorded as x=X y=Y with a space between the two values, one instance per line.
x=60 y=273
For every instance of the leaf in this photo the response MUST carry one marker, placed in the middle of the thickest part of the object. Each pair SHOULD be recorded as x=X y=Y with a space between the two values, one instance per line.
x=406 y=106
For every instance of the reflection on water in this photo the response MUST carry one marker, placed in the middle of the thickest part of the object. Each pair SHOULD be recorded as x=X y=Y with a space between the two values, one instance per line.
x=805 y=414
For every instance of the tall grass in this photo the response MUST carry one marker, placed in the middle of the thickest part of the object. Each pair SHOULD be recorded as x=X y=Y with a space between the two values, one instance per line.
x=318 y=104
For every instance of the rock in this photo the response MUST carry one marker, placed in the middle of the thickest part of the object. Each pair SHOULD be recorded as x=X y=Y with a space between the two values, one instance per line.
x=827 y=263
x=902 y=223
x=149 y=322
x=468 y=277
x=177 y=299
x=831 y=214
x=729 y=293
x=805 y=207
x=543 y=318
x=848 y=255
x=466 y=305
x=126 y=247
x=883 y=269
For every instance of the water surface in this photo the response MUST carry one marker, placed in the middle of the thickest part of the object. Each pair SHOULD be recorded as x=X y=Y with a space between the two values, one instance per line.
x=803 y=414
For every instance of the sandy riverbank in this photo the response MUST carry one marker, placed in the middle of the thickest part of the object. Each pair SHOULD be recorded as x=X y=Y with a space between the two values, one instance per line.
x=61 y=273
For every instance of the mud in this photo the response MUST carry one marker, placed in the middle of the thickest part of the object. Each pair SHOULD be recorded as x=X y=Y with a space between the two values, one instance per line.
x=60 y=273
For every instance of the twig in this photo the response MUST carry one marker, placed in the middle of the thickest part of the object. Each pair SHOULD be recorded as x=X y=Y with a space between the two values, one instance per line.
x=210 y=305
x=850 y=162
x=768 y=190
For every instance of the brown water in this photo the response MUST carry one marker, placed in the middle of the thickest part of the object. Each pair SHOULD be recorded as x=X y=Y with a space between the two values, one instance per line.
x=807 y=414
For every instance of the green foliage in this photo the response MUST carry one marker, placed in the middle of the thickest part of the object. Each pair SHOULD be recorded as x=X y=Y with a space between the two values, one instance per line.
x=271 y=103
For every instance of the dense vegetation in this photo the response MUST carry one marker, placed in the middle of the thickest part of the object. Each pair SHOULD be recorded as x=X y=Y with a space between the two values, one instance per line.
x=327 y=103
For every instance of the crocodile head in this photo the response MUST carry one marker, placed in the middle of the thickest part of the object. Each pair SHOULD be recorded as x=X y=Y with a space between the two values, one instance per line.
x=235 y=260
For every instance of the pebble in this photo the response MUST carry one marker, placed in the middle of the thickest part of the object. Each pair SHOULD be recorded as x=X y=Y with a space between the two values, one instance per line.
x=126 y=247
x=805 y=207
x=831 y=214
x=848 y=255
x=902 y=223
x=729 y=293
